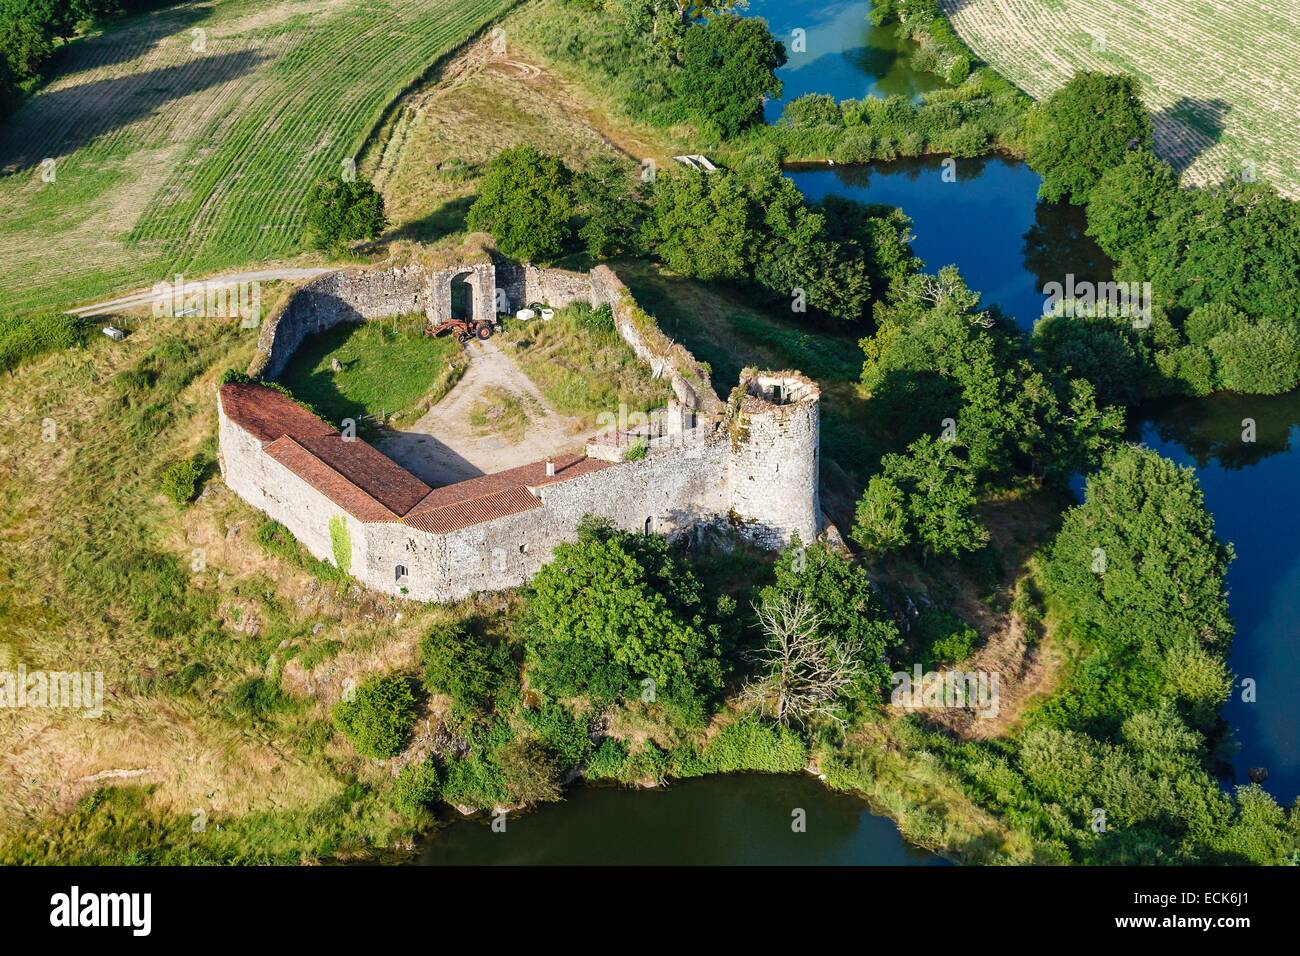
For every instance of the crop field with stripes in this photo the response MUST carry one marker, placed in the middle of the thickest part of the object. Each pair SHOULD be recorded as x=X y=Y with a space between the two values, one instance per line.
x=185 y=141
x=1221 y=77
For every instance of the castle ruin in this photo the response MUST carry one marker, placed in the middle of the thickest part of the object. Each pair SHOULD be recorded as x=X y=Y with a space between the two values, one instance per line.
x=750 y=463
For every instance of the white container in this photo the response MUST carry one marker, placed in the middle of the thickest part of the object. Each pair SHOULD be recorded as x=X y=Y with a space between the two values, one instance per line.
x=548 y=314
x=113 y=333
x=525 y=314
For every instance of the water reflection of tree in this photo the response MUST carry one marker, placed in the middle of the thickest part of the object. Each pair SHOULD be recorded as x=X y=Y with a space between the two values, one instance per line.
x=1211 y=429
x=1056 y=244
x=858 y=175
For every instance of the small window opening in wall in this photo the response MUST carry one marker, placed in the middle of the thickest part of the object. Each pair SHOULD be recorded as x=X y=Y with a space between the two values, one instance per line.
x=776 y=394
x=399 y=573
x=649 y=525
x=523 y=549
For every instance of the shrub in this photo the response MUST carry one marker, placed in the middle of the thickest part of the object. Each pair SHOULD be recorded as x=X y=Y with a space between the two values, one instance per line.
x=465 y=668
x=257 y=698
x=379 y=717
x=180 y=480
x=530 y=771
x=943 y=638
x=416 y=789
x=471 y=781
x=24 y=337
x=748 y=744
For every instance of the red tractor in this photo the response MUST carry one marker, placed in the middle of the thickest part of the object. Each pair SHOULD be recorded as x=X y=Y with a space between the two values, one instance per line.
x=464 y=329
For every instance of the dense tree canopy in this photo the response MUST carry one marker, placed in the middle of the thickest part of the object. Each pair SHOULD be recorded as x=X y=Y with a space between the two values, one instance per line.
x=613 y=610
x=1084 y=129
x=525 y=201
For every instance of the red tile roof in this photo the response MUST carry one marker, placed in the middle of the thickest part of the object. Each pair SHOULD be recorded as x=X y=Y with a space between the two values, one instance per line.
x=267 y=414
x=371 y=486
x=327 y=481
x=370 y=470
x=453 y=507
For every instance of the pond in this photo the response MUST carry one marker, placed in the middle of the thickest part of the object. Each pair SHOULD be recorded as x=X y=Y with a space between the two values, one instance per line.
x=736 y=819
x=984 y=217
x=1250 y=489
x=839 y=52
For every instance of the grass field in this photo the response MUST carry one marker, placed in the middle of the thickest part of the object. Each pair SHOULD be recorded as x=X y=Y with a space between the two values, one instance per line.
x=388 y=370
x=1220 y=78
x=185 y=140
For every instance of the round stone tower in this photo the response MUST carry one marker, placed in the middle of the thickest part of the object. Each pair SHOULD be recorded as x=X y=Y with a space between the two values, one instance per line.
x=774 y=424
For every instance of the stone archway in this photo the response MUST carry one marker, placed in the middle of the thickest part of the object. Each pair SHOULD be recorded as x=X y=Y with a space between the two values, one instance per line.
x=462 y=293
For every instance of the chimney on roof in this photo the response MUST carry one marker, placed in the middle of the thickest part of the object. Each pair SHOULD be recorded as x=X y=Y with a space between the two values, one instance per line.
x=550 y=468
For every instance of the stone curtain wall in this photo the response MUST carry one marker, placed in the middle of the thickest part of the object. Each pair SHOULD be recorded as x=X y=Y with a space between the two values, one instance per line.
x=676 y=489
x=350 y=295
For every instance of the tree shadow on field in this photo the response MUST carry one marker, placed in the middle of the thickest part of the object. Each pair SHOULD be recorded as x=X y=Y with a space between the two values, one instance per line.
x=122 y=40
x=447 y=219
x=59 y=122
x=1199 y=117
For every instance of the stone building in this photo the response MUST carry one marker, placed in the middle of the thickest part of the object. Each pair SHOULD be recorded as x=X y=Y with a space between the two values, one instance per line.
x=750 y=463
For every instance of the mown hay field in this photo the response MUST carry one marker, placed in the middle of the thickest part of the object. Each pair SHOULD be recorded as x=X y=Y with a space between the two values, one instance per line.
x=185 y=141
x=1221 y=79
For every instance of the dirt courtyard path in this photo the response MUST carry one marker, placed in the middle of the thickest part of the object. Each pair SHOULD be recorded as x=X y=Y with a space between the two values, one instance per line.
x=444 y=446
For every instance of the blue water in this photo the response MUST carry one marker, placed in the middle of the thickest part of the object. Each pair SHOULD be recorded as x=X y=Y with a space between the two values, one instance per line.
x=842 y=53
x=1250 y=489
x=984 y=218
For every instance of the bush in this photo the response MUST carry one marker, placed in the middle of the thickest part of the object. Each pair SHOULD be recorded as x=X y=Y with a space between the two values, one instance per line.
x=379 y=717
x=180 y=480
x=530 y=771
x=943 y=638
x=24 y=337
x=472 y=673
x=417 y=789
x=746 y=744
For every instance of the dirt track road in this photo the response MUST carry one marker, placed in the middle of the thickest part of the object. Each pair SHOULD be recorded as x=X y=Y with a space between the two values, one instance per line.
x=145 y=299
x=443 y=447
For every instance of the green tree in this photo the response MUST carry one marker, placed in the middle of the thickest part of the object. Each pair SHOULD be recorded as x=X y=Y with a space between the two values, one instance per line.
x=1257 y=359
x=938 y=493
x=1082 y=130
x=728 y=64
x=340 y=212
x=699 y=225
x=1140 y=569
x=1129 y=200
x=612 y=610
x=610 y=208
x=525 y=200
x=379 y=716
